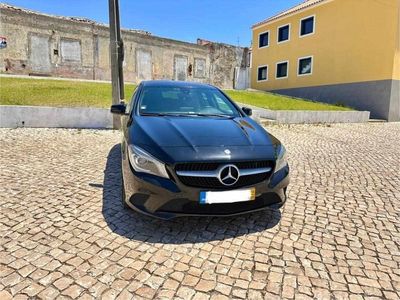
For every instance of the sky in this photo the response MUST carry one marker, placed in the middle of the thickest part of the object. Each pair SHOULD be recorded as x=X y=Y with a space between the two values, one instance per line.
x=226 y=21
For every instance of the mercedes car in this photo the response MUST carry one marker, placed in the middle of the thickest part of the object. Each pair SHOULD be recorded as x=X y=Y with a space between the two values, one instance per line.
x=190 y=150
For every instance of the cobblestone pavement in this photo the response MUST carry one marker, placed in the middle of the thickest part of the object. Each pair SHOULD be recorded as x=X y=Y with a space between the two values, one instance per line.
x=64 y=233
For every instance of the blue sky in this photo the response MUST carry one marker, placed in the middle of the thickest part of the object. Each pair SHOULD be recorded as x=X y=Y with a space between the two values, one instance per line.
x=227 y=21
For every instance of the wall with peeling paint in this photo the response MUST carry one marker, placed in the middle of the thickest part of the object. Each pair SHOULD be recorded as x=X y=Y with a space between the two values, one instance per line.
x=39 y=44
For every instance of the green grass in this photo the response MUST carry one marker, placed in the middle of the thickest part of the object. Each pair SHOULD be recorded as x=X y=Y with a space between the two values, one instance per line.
x=29 y=91
x=278 y=102
x=43 y=92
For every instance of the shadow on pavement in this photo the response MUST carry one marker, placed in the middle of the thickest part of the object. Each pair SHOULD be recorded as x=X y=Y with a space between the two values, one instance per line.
x=135 y=226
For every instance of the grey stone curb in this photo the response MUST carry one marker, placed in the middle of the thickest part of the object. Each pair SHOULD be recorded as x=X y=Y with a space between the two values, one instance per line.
x=308 y=116
x=13 y=116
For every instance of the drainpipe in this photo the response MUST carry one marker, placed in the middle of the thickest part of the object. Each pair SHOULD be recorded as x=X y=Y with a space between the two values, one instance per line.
x=117 y=58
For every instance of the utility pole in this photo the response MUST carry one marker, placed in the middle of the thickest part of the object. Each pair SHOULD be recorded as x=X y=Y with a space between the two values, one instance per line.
x=117 y=58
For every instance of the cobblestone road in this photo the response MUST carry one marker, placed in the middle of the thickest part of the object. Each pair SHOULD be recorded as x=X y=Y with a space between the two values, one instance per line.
x=65 y=234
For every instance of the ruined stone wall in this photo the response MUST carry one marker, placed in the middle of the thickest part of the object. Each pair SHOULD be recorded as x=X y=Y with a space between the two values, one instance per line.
x=39 y=44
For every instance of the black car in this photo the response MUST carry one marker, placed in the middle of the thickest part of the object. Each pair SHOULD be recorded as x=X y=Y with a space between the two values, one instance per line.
x=188 y=149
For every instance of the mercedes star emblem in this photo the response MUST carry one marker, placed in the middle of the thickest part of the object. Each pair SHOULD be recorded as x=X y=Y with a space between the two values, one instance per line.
x=229 y=175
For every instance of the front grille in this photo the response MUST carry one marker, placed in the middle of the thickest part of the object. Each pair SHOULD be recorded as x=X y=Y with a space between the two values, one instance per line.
x=214 y=183
x=214 y=165
x=197 y=167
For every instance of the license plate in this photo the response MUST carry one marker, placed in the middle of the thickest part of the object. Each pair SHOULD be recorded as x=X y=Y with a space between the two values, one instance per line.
x=227 y=196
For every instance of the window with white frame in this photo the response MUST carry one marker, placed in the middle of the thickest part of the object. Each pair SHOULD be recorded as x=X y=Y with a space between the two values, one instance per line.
x=263 y=39
x=262 y=74
x=305 y=66
x=282 y=69
x=283 y=33
x=307 y=26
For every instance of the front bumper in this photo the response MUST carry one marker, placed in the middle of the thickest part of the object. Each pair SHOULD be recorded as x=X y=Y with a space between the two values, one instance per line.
x=166 y=199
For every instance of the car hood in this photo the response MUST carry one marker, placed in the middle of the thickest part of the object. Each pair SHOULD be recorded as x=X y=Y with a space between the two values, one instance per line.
x=183 y=139
x=200 y=132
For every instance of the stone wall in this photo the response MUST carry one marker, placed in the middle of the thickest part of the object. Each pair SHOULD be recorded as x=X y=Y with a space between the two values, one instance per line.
x=40 y=44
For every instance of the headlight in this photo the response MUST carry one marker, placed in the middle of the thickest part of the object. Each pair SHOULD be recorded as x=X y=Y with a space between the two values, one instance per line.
x=142 y=161
x=280 y=158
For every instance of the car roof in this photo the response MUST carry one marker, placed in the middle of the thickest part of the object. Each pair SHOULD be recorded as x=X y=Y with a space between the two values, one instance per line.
x=174 y=83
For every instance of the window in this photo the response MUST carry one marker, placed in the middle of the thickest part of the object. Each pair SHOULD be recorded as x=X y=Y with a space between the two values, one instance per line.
x=262 y=73
x=143 y=65
x=283 y=33
x=282 y=69
x=221 y=104
x=70 y=50
x=305 y=66
x=263 y=39
x=199 y=67
x=129 y=106
x=307 y=26
x=185 y=101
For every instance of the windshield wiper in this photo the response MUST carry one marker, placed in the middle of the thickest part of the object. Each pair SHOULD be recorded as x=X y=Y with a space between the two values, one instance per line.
x=212 y=115
x=188 y=115
x=157 y=114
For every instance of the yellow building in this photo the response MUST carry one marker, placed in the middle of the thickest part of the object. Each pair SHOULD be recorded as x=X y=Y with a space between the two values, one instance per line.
x=335 y=51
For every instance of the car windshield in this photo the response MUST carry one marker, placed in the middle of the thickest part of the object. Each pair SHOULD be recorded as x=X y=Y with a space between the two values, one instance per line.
x=185 y=101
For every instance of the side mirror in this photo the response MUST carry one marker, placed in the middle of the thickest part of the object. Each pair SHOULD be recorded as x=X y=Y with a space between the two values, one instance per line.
x=247 y=111
x=119 y=109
